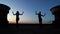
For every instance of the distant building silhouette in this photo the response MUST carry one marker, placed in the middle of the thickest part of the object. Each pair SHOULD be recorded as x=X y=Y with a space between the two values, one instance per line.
x=17 y=16
x=4 y=10
x=56 y=12
x=39 y=17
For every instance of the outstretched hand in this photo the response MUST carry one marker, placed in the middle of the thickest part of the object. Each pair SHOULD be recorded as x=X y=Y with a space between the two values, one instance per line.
x=22 y=13
x=44 y=15
x=13 y=13
x=36 y=12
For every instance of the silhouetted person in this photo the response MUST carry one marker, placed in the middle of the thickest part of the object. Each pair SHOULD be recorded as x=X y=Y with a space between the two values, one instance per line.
x=17 y=16
x=4 y=10
x=39 y=17
x=56 y=12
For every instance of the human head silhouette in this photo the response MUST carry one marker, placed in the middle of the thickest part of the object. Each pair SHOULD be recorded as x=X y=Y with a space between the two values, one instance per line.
x=40 y=12
x=4 y=10
x=56 y=12
x=17 y=11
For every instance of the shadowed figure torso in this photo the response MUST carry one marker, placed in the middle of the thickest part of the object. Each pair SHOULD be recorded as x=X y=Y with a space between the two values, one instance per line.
x=39 y=17
x=4 y=10
x=56 y=12
x=17 y=16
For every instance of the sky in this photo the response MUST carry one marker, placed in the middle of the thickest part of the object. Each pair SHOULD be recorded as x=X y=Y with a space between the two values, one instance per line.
x=29 y=7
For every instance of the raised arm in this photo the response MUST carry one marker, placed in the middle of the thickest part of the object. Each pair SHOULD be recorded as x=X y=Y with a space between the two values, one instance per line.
x=36 y=13
x=43 y=15
x=22 y=13
x=13 y=13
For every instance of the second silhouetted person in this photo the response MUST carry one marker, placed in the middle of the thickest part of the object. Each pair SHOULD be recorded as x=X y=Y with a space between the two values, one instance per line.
x=39 y=17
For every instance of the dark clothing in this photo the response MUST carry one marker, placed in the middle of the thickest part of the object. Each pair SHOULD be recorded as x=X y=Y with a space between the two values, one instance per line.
x=17 y=17
x=39 y=17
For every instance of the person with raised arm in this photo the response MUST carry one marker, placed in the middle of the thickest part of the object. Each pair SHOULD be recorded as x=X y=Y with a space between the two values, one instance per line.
x=17 y=16
x=39 y=16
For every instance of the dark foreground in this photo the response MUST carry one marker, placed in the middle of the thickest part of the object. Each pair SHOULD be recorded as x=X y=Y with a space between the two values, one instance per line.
x=21 y=29
x=30 y=29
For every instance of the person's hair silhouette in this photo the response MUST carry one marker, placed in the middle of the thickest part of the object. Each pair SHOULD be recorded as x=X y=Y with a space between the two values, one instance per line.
x=17 y=16
x=39 y=16
x=56 y=12
x=4 y=10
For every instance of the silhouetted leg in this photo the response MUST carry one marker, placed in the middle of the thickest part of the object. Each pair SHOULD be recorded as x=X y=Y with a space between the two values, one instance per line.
x=40 y=21
x=17 y=23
